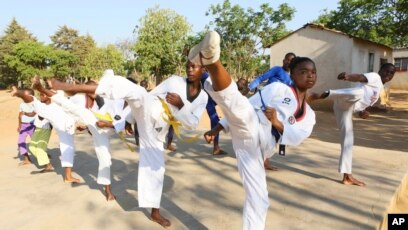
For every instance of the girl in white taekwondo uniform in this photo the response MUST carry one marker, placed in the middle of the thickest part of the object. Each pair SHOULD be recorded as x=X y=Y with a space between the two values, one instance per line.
x=100 y=135
x=356 y=99
x=295 y=117
x=186 y=102
x=63 y=124
x=244 y=124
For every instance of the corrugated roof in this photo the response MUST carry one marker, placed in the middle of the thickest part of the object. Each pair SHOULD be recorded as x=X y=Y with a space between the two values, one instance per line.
x=320 y=26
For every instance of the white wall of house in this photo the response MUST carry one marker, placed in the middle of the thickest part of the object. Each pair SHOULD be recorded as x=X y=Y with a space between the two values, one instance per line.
x=400 y=80
x=362 y=49
x=332 y=52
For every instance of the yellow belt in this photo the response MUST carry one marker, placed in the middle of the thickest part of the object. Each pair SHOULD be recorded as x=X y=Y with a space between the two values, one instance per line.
x=171 y=120
x=107 y=117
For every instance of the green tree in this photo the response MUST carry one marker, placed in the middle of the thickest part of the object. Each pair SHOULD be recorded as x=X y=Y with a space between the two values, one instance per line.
x=64 y=38
x=82 y=46
x=382 y=21
x=160 y=40
x=246 y=32
x=100 y=59
x=126 y=48
x=68 y=39
x=62 y=63
x=29 y=58
x=13 y=34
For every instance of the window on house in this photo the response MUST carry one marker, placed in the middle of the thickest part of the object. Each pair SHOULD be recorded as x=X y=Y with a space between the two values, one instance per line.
x=370 y=62
x=401 y=64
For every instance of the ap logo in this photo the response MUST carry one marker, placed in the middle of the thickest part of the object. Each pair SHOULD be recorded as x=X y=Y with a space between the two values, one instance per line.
x=397 y=221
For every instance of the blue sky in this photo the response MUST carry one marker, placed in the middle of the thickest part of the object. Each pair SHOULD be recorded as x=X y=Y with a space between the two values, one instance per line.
x=109 y=21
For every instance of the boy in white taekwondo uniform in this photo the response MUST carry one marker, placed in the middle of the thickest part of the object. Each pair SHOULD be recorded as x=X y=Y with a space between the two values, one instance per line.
x=186 y=102
x=356 y=99
x=99 y=135
x=250 y=135
x=63 y=124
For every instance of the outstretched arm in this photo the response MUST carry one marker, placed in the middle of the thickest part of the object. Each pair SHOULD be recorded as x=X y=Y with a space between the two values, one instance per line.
x=82 y=88
x=353 y=77
x=37 y=86
x=268 y=74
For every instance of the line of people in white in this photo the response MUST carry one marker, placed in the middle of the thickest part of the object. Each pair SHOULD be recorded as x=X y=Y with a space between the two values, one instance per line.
x=277 y=114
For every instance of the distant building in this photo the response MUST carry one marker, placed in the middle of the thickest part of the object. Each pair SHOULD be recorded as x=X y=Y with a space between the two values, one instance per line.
x=333 y=52
x=400 y=80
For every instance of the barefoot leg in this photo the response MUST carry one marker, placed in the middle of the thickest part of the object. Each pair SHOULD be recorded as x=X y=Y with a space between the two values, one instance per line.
x=68 y=176
x=26 y=160
x=156 y=217
x=108 y=193
x=216 y=150
x=268 y=166
x=348 y=179
x=48 y=168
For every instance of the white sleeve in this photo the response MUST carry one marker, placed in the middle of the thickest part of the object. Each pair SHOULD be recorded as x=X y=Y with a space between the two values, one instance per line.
x=40 y=108
x=373 y=79
x=162 y=89
x=190 y=114
x=294 y=134
x=117 y=87
x=127 y=113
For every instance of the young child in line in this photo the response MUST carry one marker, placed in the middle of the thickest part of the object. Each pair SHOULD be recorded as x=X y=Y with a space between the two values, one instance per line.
x=25 y=127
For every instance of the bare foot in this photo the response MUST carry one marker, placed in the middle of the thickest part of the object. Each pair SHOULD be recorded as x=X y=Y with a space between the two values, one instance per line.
x=108 y=193
x=54 y=84
x=47 y=170
x=171 y=148
x=348 y=179
x=268 y=166
x=14 y=91
x=71 y=180
x=25 y=162
x=156 y=217
x=110 y=196
x=35 y=82
x=216 y=150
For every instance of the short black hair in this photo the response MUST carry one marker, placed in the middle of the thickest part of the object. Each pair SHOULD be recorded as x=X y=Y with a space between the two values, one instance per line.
x=385 y=65
x=290 y=54
x=297 y=60
x=132 y=80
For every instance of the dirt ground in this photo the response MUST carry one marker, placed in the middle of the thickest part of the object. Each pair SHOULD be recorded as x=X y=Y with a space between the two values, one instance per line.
x=393 y=125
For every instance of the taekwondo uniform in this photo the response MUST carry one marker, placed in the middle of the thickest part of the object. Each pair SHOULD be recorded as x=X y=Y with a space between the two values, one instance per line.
x=148 y=112
x=244 y=127
x=99 y=135
x=284 y=99
x=64 y=125
x=250 y=124
x=346 y=102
